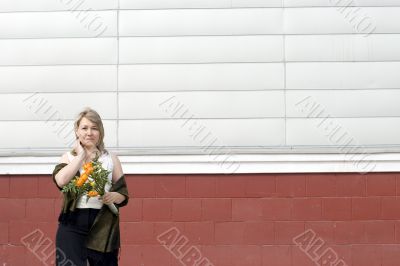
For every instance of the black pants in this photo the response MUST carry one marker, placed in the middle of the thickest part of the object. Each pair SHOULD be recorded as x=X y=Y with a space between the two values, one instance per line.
x=70 y=243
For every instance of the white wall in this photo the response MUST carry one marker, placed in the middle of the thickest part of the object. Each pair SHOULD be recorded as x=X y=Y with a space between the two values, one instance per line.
x=253 y=75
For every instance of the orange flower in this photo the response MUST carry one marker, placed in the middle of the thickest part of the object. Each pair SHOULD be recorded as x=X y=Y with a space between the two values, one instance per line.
x=93 y=193
x=89 y=170
x=84 y=176
x=87 y=165
x=79 y=182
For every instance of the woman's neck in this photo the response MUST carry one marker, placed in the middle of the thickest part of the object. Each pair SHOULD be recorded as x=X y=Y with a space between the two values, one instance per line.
x=92 y=152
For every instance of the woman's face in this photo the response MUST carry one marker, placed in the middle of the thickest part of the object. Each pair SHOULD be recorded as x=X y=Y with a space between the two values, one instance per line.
x=88 y=133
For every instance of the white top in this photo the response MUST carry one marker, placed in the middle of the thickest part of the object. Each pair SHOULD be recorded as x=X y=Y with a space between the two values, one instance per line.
x=95 y=202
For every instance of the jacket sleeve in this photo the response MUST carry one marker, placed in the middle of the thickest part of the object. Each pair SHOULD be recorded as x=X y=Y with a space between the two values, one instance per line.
x=121 y=187
x=57 y=169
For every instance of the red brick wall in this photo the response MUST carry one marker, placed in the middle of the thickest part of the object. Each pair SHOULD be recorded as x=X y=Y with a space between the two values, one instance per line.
x=243 y=220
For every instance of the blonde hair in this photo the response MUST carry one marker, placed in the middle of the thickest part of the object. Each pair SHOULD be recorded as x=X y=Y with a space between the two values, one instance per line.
x=95 y=118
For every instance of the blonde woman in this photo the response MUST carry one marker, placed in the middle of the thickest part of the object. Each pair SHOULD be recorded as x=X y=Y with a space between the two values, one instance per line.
x=88 y=232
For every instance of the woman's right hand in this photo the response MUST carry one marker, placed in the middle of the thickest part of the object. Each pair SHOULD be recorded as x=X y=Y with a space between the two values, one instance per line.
x=79 y=149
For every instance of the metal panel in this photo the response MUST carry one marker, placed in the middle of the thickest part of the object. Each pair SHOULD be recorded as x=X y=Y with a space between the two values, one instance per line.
x=58 y=78
x=203 y=104
x=341 y=48
x=218 y=132
x=58 y=51
x=210 y=49
x=189 y=22
x=186 y=77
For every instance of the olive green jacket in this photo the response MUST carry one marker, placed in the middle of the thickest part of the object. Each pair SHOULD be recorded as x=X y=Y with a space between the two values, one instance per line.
x=104 y=235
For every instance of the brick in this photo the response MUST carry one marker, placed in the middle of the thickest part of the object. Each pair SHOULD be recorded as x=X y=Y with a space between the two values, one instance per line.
x=318 y=185
x=350 y=232
x=179 y=254
x=154 y=255
x=141 y=186
x=19 y=229
x=351 y=185
x=14 y=255
x=391 y=255
x=201 y=186
x=308 y=209
x=260 y=185
x=247 y=209
x=327 y=255
x=47 y=188
x=200 y=233
x=380 y=232
x=228 y=233
x=186 y=209
x=218 y=255
x=325 y=230
x=157 y=209
x=286 y=231
x=343 y=252
x=216 y=210
x=3 y=233
x=57 y=207
x=231 y=186
x=397 y=185
x=246 y=255
x=43 y=255
x=381 y=184
x=300 y=258
x=162 y=227
x=39 y=209
x=336 y=209
x=133 y=212
x=366 y=208
x=12 y=209
x=250 y=233
x=363 y=255
x=276 y=255
x=4 y=186
x=134 y=233
x=258 y=233
x=397 y=231
x=290 y=185
x=170 y=186
x=130 y=255
x=277 y=209
x=23 y=186
x=390 y=208
x=3 y=254
x=49 y=229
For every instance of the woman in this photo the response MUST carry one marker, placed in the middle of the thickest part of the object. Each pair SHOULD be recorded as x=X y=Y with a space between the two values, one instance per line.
x=88 y=231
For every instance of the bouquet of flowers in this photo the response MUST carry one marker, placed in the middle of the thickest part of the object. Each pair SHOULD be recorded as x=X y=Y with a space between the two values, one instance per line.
x=91 y=182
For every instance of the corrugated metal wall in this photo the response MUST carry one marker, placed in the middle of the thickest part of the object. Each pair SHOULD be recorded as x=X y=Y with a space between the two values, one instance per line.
x=292 y=74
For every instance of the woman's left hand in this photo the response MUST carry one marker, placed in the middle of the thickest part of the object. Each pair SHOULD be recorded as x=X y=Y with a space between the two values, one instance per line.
x=113 y=197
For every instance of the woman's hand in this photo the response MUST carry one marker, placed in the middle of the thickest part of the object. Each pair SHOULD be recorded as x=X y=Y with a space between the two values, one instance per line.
x=79 y=149
x=113 y=197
